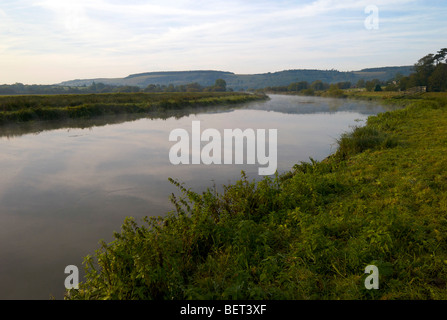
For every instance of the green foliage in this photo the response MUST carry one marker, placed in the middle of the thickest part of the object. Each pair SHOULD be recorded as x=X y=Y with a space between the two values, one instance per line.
x=304 y=88
x=372 y=85
x=438 y=78
x=430 y=71
x=220 y=85
x=298 y=86
x=56 y=107
x=308 y=92
x=334 y=92
x=305 y=234
x=361 y=139
x=319 y=85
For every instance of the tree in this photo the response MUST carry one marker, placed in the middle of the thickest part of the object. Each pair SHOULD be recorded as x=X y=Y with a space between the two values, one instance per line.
x=398 y=77
x=193 y=87
x=360 y=83
x=293 y=87
x=298 y=86
x=220 y=85
x=127 y=89
x=308 y=92
x=92 y=87
x=335 y=91
x=407 y=82
x=317 y=85
x=423 y=69
x=440 y=56
x=170 y=88
x=344 y=85
x=371 y=85
x=378 y=88
x=438 y=79
x=151 y=88
x=391 y=86
x=100 y=87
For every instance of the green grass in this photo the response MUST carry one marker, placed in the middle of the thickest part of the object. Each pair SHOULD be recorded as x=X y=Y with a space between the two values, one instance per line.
x=381 y=199
x=15 y=109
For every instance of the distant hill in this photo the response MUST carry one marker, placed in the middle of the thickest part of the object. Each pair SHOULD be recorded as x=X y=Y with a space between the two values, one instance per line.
x=245 y=81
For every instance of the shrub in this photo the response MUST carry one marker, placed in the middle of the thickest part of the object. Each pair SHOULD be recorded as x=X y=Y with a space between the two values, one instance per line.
x=361 y=139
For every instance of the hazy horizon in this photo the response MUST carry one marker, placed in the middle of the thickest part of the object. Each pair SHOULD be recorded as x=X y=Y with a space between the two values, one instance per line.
x=51 y=41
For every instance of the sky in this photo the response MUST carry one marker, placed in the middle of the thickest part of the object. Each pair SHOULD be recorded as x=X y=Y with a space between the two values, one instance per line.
x=50 y=41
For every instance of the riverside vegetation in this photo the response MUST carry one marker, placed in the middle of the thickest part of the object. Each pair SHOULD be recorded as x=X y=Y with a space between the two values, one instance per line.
x=25 y=108
x=380 y=199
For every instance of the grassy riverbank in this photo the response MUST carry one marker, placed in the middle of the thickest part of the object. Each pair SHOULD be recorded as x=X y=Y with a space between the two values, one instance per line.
x=59 y=107
x=381 y=200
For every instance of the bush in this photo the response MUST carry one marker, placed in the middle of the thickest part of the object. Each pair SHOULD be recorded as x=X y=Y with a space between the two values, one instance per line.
x=361 y=139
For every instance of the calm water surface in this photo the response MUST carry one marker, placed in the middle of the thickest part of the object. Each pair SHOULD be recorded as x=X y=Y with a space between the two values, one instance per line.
x=65 y=186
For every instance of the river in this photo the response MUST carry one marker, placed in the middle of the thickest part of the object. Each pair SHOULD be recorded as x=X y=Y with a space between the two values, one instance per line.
x=64 y=186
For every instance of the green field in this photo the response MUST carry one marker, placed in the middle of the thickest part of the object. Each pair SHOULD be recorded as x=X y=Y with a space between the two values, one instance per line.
x=380 y=200
x=25 y=108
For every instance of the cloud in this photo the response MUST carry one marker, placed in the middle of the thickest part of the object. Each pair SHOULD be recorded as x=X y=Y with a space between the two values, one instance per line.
x=114 y=38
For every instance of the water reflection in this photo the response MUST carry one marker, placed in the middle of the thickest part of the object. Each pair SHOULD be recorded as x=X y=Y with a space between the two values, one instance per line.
x=278 y=103
x=64 y=186
x=290 y=104
x=35 y=127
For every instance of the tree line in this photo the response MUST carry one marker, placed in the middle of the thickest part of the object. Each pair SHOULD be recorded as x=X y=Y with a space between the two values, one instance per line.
x=307 y=88
x=22 y=89
x=430 y=72
x=220 y=85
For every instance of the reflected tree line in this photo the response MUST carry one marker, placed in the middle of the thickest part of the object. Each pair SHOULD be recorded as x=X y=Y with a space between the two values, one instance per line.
x=11 y=130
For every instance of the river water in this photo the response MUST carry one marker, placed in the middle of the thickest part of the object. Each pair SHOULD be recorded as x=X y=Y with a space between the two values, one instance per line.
x=64 y=186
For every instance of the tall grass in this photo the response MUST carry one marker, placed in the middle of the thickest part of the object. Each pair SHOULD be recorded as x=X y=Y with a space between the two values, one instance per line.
x=361 y=139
